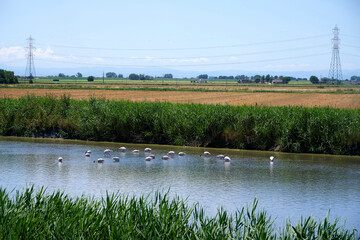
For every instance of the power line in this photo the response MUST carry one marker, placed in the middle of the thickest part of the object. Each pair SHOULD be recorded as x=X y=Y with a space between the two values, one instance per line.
x=190 y=48
x=349 y=54
x=188 y=65
x=211 y=56
x=352 y=46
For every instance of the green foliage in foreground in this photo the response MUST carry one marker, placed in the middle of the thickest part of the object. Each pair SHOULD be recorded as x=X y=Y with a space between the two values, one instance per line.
x=289 y=129
x=38 y=215
x=7 y=77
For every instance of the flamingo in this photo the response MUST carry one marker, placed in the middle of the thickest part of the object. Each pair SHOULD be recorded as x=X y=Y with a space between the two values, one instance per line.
x=165 y=157
x=181 y=154
x=206 y=154
x=87 y=154
x=122 y=149
x=107 y=152
x=147 y=150
x=116 y=159
x=220 y=156
x=227 y=159
x=100 y=160
x=171 y=153
x=135 y=151
x=148 y=158
x=60 y=159
x=271 y=159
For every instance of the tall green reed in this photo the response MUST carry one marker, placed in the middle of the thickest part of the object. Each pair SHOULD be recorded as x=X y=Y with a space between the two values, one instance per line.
x=31 y=214
x=288 y=129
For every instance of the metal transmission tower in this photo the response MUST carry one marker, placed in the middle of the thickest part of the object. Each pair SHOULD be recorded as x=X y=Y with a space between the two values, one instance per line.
x=30 y=67
x=335 y=65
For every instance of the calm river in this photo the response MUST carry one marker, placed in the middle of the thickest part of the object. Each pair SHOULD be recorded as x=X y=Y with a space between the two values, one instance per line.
x=294 y=185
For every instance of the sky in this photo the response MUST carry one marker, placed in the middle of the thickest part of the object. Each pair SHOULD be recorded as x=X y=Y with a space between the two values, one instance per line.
x=187 y=36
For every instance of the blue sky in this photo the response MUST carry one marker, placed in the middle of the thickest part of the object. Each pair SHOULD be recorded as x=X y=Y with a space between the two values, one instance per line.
x=203 y=36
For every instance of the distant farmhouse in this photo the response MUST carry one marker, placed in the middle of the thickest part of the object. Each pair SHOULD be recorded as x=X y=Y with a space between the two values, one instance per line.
x=245 y=80
x=277 y=81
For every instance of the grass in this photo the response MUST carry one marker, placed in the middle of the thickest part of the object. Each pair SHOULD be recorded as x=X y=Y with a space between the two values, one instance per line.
x=34 y=214
x=288 y=129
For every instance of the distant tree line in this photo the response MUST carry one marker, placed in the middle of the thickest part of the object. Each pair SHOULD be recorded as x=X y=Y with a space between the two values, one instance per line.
x=255 y=78
x=356 y=78
x=134 y=76
x=8 y=77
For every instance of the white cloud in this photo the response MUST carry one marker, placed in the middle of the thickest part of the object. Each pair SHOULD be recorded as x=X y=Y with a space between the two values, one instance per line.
x=234 y=58
x=12 y=53
x=193 y=60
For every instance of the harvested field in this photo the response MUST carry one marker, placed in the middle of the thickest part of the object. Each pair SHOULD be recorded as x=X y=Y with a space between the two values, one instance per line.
x=346 y=101
x=211 y=87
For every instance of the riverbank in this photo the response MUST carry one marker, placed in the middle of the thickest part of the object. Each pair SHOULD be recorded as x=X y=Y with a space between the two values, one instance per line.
x=42 y=215
x=286 y=129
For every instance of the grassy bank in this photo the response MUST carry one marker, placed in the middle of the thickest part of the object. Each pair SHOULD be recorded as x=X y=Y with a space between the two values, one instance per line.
x=41 y=215
x=288 y=129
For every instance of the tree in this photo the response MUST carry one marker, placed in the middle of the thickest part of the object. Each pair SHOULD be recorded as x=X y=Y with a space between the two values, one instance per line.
x=79 y=75
x=286 y=79
x=120 y=76
x=61 y=75
x=203 y=76
x=267 y=78
x=8 y=77
x=257 y=79
x=134 y=76
x=168 y=75
x=111 y=75
x=314 y=79
x=91 y=78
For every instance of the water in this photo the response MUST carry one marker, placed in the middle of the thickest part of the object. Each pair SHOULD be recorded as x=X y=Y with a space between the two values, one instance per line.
x=294 y=185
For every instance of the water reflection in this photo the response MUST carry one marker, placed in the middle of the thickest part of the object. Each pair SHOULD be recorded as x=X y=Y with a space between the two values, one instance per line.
x=294 y=184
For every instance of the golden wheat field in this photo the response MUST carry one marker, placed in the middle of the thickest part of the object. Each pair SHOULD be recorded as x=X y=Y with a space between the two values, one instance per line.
x=347 y=101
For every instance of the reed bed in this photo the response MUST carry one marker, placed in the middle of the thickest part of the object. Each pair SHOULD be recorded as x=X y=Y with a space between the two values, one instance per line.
x=37 y=214
x=289 y=129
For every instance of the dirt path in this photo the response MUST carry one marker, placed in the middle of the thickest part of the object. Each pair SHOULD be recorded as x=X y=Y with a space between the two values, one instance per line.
x=348 y=101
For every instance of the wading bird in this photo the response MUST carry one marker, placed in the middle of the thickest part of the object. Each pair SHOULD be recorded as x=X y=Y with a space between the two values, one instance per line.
x=107 y=152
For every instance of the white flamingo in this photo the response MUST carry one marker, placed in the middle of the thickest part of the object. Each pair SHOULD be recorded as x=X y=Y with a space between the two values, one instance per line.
x=148 y=159
x=271 y=159
x=165 y=157
x=60 y=159
x=181 y=154
x=107 y=152
x=122 y=149
x=227 y=159
x=220 y=156
x=147 y=150
x=87 y=154
x=135 y=151
x=171 y=153
x=100 y=160
x=206 y=154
